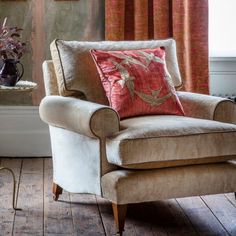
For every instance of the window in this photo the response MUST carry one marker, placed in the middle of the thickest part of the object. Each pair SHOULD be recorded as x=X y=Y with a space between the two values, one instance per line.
x=222 y=28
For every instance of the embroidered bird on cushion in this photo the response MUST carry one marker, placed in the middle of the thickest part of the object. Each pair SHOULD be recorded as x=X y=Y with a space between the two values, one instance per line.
x=149 y=57
x=128 y=59
x=126 y=79
x=153 y=98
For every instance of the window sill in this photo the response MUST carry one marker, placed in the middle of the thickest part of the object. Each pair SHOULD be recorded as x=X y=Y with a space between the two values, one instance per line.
x=212 y=59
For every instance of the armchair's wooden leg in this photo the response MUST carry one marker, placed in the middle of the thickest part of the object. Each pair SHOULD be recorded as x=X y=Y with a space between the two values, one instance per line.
x=119 y=212
x=235 y=195
x=57 y=190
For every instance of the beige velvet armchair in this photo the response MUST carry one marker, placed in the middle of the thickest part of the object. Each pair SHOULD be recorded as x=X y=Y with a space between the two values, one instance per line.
x=137 y=159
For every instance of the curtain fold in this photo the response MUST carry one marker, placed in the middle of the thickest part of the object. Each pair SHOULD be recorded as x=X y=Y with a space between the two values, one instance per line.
x=141 y=19
x=184 y=20
x=115 y=19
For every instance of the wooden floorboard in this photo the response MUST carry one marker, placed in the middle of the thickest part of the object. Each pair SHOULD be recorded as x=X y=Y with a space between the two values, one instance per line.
x=146 y=219
x=173 y=219
x=29 y=221
x=86 y=216
x=223 y=210
x=105 y=209
x=232 y=198
x=204 y=222
x=83 y=214
x=57 y=215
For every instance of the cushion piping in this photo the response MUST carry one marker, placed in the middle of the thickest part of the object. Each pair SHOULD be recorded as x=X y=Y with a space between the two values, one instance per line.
x=169 y=136
x=225 y=100
x=229 y=157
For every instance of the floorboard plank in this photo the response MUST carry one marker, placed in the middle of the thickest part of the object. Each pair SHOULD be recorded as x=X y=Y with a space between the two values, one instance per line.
x=105 y=209
x=231 y=197
x=86 y=217
x=6 y=211
x=204 y=222
x=223 y=210
x=173 y=219
x=146 y=219
x=57 y=234
x=57 y=214
x=29 y=221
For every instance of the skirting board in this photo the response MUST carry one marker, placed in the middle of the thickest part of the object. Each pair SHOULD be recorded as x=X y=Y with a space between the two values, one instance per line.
x=22 y=133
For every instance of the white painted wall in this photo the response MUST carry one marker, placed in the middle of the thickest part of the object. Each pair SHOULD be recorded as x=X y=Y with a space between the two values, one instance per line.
x=22 y=133
x=223 y=76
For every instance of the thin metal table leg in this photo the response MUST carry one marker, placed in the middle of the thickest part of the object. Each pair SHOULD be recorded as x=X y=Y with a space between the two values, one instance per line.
x=14 y=187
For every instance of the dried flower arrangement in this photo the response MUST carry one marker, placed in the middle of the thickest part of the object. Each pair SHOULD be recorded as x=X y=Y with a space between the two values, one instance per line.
x=11 y=46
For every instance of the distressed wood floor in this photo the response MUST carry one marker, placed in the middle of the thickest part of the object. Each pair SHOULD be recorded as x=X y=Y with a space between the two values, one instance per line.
x=81 y=214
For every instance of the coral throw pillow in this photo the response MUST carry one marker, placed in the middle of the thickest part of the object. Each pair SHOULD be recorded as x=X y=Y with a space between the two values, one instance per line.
x=137 y=82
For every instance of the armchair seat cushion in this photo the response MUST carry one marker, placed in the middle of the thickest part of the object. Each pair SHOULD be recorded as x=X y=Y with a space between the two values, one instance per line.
x=165 y=140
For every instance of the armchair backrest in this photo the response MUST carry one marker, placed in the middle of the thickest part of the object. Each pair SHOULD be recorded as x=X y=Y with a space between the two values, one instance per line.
x=50 y=79
x=76 y=72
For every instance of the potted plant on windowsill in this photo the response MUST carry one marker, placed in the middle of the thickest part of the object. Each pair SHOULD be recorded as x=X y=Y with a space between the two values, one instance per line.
x=11 y=50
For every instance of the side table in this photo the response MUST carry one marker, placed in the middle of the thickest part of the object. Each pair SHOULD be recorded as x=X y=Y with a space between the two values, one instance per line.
x=22 y=85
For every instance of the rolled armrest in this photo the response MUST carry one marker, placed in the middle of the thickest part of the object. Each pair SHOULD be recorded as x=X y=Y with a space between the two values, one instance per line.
x=208 y=107
x=87 y=118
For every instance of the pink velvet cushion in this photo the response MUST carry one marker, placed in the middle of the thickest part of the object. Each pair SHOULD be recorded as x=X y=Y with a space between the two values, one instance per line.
x=137 y=82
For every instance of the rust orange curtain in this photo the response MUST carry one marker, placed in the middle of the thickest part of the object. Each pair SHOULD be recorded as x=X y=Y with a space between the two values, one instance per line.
x=184 y=20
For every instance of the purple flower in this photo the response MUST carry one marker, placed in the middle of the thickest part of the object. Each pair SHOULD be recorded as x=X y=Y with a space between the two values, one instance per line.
x=11 y=46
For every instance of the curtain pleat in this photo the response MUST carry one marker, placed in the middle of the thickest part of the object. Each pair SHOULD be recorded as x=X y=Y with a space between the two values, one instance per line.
x=150 y=20
x=115 y=19
x=141 y=19
x=161 y=15
x=180 y=22
x=129 y=20
x=184 y=20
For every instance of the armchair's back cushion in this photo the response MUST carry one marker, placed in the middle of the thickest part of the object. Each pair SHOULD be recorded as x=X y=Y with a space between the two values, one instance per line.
x=76 y=71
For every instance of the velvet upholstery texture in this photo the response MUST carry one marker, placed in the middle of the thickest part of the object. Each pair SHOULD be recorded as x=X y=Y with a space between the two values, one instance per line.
x=78 y=158
x=76 y=72
x=125 y=186
x=86 y=118
x=164 y=138
x=137 y=82
x=50 y=79
x=184 y=20
x=208 y=107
